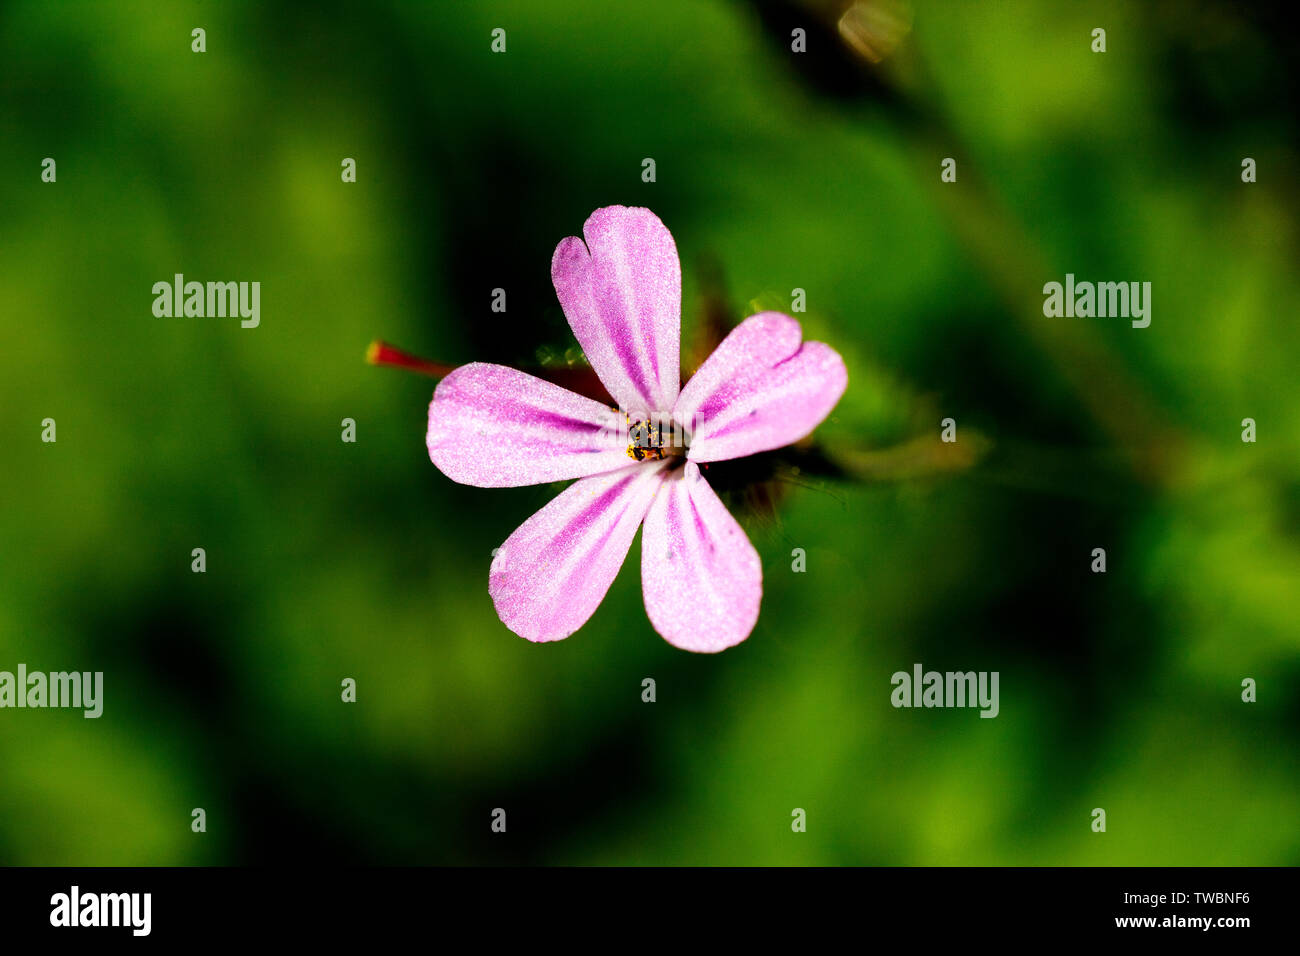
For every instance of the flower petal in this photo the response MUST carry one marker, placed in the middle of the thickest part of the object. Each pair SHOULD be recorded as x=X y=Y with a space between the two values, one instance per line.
x=552 y=573
x=495 y=427
x=701 y=578
x=760 y=389
x=622 y=295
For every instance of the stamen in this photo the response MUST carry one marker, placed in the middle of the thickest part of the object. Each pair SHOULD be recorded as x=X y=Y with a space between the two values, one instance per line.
x=654 y=440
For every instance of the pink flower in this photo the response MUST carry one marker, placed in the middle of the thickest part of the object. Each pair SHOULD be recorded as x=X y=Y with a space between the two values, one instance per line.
x=492 y=427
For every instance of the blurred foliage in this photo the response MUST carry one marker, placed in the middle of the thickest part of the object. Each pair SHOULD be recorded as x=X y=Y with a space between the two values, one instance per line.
x=775 y=171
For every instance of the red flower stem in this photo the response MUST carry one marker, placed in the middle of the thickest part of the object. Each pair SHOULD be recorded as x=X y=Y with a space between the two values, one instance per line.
x=381 y=353
x=579 y=379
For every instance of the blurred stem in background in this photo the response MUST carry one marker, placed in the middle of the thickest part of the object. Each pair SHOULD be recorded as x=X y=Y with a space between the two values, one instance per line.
x=870 y=32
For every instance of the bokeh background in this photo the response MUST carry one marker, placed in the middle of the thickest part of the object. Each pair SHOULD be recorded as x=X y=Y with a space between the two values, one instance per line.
x=775 y=171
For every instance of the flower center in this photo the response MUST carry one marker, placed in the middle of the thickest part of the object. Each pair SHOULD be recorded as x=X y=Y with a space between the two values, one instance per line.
x=655 y=438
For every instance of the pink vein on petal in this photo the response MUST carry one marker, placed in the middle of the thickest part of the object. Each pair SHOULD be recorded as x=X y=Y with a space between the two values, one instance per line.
x=495 y=427
x=760 y=389
x=700 y=576
x=621 y=291
x=552 y=573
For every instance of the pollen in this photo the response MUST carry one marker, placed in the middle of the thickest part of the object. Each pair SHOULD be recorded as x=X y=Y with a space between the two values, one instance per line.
x=650 y=440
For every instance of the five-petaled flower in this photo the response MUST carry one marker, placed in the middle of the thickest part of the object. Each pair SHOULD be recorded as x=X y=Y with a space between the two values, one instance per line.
x=493 y=427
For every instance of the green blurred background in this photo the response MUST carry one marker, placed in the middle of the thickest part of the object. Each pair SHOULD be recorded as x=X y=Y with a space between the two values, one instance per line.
x=775 y=170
